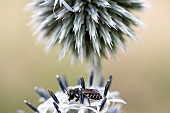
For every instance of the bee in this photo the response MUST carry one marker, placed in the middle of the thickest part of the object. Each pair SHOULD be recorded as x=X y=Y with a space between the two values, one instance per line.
x=87 y=93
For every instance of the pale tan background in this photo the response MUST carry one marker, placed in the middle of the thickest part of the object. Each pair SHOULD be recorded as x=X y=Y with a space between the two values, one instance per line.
x=142 y=75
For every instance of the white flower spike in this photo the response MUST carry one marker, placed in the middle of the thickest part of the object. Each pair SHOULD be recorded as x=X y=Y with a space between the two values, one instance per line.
x=62 y=2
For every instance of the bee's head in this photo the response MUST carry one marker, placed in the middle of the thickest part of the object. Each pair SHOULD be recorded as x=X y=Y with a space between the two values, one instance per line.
x=71 y=94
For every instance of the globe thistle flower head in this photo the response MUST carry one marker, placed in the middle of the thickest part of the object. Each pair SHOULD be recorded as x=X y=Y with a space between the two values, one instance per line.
x=88 y=28
x=110 y=101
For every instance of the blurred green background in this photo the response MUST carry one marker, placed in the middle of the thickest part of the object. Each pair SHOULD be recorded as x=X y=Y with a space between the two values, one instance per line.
x=142 y=75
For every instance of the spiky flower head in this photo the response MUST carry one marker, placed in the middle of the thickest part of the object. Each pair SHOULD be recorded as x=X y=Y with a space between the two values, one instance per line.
x=59 y=102
x=89 y=28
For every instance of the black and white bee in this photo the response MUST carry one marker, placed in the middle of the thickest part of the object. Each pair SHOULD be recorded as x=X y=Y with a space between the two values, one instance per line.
x=87 y=93
x=82 y=92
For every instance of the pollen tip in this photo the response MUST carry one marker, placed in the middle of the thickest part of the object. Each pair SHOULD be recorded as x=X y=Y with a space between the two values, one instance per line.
x=35 y=87
x=57 y=76
x=25 y=101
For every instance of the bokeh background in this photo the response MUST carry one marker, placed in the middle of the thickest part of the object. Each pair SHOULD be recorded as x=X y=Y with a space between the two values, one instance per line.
x=142 y=75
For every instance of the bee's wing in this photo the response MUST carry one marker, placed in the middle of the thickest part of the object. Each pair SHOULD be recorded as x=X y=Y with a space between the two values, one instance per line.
x=89 y=91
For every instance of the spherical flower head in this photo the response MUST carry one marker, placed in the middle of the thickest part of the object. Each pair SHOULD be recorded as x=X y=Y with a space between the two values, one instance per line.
x=89 y=28
x=110 y=101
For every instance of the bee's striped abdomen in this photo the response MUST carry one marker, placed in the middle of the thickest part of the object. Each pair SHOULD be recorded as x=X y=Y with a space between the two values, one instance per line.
x=95 y=96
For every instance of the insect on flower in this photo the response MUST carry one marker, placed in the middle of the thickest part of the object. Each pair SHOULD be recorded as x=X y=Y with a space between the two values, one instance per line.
x=83 y=92
x=88 y=93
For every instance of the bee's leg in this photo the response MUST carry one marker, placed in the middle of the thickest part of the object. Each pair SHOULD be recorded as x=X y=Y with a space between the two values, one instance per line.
x=88 y=100
x=77 y=98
